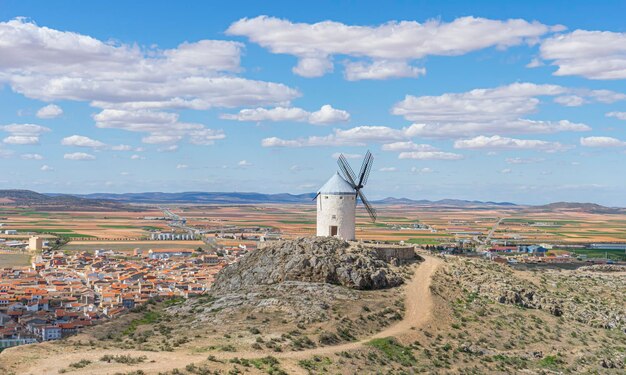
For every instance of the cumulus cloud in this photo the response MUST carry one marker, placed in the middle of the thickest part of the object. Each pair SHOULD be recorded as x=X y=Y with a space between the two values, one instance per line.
x=23 y=134
x=601 y=142
x=497 y=142
x=589 y=54
x=48 y=64
x=46 y=168
x=161 y=127
x=137 y=157
x=430 y=155
x=182 y=166
x=31 y=157
x=49 y=111
x=326 y=115
x=121 y=148
x=244 y=163
x=388 y=169
x=81 y=141
x=382 y=51
x=407 y=146
x=499 y=110
x=357 y=136
x=506 y=171
x=356 y=71
x=617 y=115
x=79 y=156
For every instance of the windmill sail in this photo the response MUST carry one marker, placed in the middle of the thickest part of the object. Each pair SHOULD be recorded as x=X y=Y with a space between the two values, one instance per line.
x=358 y=182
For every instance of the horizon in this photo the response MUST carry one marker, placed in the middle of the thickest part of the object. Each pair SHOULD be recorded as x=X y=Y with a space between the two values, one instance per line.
x=474 y=102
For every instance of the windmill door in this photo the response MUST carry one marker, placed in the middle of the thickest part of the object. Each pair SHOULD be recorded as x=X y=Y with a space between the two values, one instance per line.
x=333 y=230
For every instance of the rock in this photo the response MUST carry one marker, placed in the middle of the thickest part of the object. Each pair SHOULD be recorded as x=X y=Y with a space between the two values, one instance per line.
x=315 y=260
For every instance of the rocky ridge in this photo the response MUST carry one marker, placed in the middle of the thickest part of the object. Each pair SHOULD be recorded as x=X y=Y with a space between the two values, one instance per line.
x=554 y=294
x=313 y=260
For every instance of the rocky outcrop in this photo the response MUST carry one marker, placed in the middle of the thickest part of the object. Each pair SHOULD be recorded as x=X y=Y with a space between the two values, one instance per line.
x=313 y=260
x=573 y=295
x=603 y=268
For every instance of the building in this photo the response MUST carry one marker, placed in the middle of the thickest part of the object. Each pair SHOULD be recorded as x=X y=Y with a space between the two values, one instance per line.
x=10 y=231
x=336 y=209
x=35 y=243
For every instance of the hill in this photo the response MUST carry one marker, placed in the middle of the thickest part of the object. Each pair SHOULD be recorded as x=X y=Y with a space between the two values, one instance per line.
x=591 y=208
x=203 y=197
x=28 y=198
x=453 y=315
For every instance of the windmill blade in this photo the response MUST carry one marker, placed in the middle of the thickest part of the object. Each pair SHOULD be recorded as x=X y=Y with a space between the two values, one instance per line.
x=364 y=164
x=315 y=197
x=365 y=169
x=370 y=210
x=348 y=173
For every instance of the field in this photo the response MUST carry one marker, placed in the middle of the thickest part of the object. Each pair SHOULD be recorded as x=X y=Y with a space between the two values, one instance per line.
x=422 y=225
x=14 y=260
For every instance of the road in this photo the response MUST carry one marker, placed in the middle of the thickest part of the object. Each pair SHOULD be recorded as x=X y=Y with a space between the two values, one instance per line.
x=487 y=241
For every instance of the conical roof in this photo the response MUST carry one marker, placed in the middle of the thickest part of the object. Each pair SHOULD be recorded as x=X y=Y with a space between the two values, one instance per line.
x=336 y=185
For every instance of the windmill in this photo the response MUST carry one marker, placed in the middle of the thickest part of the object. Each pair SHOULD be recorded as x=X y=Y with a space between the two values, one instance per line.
x=337 y=199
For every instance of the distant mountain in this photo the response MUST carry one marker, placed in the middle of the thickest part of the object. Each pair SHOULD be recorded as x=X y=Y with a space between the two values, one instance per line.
x=442 y=202
x=56 y=202
x=203 y=197
x=592 y=208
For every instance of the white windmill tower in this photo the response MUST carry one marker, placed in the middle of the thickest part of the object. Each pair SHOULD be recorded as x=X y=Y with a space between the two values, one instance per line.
x=337 y=199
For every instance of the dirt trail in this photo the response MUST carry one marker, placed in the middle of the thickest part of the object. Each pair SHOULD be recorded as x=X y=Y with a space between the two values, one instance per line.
x=418 y=311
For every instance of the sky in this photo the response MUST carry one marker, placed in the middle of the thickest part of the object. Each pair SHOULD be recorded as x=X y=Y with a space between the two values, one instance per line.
x=522 y=102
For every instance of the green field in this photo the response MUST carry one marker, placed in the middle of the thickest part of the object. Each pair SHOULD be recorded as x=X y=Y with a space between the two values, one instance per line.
x=597 y=253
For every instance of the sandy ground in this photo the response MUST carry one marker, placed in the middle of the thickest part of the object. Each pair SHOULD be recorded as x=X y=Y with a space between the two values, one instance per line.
x=50 y=358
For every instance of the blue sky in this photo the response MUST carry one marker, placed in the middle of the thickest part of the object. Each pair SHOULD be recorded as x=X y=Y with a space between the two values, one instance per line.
x=521 y=102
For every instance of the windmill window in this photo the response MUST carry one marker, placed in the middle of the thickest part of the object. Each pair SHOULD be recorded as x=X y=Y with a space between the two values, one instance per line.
x=334 y=216
x=325 y=196
x=340 y=197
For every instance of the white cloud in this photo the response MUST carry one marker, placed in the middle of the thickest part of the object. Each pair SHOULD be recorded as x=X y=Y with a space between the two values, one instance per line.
x=382 y=51
x=23 y=134
x=590 y=54
x=79 y=156
x=161 y=127
x=519 y=160
x=347 y=156
x=122 y=148
x=31 y=157
x=244 y=163
x=498 y=110
x=506 y=171
x=46 y=168
x=49 y=111
x=328 y=115
x=81 y=141
x=124 y=173
x=182 y=166
x=535 y=63
x=570 y=100
x=407 y=146
x=137 y=157
x=48 y=64
x=21 y=140
x=430 y=155
x=170 y=148
x=503 y=143
x=388 y=169
x=601 y=142
x=325 y=115
x=384 y=69
x=617 y=115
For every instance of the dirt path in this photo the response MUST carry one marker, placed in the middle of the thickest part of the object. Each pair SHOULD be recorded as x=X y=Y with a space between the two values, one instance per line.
x=418 y=311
